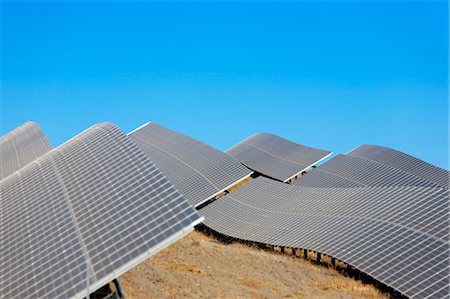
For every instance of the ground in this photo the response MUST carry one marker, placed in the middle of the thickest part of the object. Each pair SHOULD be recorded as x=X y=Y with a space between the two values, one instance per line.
x=198 y=266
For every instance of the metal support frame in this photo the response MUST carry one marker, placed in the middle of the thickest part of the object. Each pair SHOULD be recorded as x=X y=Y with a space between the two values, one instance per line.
x=119 y=291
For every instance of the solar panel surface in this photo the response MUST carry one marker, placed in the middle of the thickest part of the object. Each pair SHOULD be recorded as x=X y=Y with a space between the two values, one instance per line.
x=84 y=213
x=398 y=235
x=276 y=157
x=318 y=178
x=403 y=162
x=21 y=146
x=199 y=171
x=345 y=171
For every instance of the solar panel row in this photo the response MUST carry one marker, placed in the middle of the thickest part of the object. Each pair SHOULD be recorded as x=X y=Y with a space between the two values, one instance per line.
x=84 y=213
x=407 y=206
x=21 y=146
x=404 y=162
x=344 y=171
x=398 y=235
x=199 y=171
x=276 y=157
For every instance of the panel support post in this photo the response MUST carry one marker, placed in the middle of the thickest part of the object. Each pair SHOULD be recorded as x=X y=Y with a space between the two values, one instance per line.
x=282 y=249
x=119 y=291
x=305 y=254
x=293 y=252
x=333 y=262
x=318 y=257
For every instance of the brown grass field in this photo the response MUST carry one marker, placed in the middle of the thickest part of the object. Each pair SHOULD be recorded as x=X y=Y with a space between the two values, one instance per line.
x=198 y=266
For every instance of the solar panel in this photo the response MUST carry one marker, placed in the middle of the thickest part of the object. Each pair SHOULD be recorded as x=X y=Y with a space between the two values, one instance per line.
x=83 y=214
x=199 y=171
x=351 y=171
x=398 y=235
x=402 y=161
x=21 y=146
x=276 y=157
x=318 y=178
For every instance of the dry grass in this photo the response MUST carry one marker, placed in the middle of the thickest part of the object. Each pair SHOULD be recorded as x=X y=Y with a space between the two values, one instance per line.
x=198 y=266
x=258 y=283
x=358 y=290
x=185 y=268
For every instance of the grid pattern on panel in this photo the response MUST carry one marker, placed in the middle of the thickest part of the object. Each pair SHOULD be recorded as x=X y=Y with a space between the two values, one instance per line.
x=21 y=146
x=424 y=209
x=342 y=169
x=276 y=157
x=42 y=255
x=199 y=171
x=318 y=178
x=403 y=162
x=89 y=210
x=398 y=235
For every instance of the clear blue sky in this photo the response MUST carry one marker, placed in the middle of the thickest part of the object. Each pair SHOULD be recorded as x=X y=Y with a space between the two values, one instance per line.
x=331 y=75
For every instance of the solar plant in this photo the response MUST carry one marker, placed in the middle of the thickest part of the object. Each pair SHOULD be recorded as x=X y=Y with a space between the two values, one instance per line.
x=21 y=146
x=199 y=171
x=404 y=162
x=276 y=157
x=353 y=171
x=84 y=213
x=398 y=235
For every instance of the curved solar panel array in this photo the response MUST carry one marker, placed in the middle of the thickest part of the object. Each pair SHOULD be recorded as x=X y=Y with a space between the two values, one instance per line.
x=402 y=161
x=76 y=217
x=199 y=171
x=84 y=213
x=21 y=146
x=398 y=235
x=276 y=157
x=352 y=171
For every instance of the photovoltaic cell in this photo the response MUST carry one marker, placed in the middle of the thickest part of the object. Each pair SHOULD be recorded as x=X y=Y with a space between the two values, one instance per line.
x=404 y=162
x=276 y=157
x=318 y=178
x=84 y=213
x=398 y=235
x=345 y=171
x=21 y=146
x=199 y=171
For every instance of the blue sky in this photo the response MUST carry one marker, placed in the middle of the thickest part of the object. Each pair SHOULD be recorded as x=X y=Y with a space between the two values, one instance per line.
x=331 y=75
